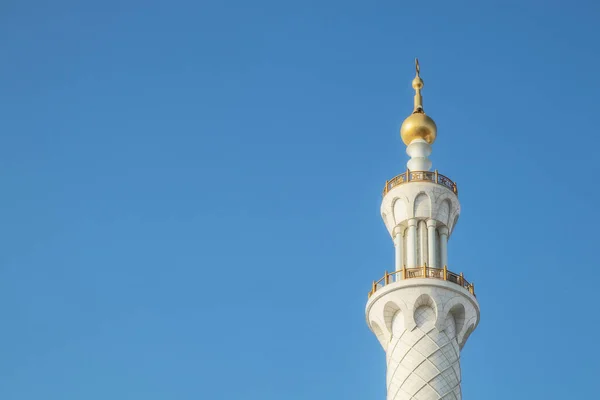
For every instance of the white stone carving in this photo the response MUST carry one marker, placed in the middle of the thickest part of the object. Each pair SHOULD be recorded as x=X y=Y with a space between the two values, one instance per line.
x=422 y=200
x=422 y=324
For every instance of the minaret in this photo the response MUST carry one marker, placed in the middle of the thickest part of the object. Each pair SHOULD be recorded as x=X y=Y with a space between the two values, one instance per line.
x=422 y=313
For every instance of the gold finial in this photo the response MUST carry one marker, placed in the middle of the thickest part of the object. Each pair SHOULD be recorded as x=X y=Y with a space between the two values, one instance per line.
x=418 y=125
x=417 y=84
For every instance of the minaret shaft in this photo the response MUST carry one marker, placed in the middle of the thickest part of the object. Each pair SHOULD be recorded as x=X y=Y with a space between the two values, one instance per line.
x=423 y=362
x=422 y=324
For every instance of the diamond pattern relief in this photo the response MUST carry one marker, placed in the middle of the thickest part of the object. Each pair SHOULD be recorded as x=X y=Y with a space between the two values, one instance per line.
x=423 y=364
x=426 y=371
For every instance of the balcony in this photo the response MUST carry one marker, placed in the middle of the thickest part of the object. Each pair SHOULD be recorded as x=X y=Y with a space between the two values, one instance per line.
x=420 y=176
x=423 y=272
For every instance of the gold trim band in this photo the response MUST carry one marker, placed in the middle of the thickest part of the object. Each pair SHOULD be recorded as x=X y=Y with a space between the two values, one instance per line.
x=423 y=272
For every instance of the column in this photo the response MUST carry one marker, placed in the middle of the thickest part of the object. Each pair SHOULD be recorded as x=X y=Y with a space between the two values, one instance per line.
x=399 y=244
x=431 y=244
x=411 y=243
x=444 y=245
x=422 y=244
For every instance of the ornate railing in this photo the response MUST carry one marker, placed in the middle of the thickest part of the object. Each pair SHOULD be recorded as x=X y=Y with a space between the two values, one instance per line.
x=420 y=176
x=423 y=272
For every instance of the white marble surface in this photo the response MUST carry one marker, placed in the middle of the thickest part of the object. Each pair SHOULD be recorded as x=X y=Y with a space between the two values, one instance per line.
x=421 y=200
x=422 y=324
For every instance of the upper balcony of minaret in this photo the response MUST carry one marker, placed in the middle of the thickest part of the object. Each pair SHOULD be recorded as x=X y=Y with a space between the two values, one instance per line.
x=422 y=195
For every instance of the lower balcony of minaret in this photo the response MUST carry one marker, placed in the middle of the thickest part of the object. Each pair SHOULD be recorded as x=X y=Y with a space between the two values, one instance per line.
x=422 y=318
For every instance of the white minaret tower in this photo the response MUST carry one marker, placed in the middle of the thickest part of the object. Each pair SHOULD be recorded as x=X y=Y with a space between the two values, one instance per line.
x=422 y=313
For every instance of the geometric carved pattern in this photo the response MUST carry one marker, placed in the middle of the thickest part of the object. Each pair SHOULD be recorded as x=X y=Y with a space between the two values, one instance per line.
x=422 y=324
x=423 y=363
x=408 y=201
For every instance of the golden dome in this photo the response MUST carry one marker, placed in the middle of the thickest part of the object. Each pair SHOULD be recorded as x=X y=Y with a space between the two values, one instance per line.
x=418 y=125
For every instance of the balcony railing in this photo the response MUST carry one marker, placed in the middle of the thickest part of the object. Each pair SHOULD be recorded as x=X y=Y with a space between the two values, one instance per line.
x=420 y=176
x=423 y=272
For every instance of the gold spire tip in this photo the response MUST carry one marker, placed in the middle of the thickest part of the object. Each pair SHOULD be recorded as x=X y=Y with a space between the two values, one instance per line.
x=418 y=125
x=417 y=84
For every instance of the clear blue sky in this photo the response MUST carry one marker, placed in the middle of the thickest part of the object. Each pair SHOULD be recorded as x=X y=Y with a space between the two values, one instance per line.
x=191 y=191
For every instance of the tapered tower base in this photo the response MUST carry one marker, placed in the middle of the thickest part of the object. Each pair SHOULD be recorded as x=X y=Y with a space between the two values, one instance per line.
x=422 y=325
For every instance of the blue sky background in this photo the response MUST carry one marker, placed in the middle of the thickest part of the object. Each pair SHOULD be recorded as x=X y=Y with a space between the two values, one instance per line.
x=191 y=191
